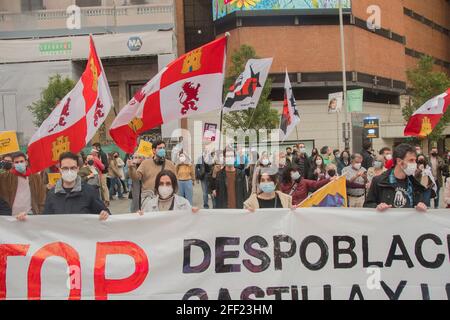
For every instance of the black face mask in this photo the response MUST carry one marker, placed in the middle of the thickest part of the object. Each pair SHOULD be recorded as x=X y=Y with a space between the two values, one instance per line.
x=6 y=165
x=420 y=162
x=332 y=173
x=434 y=154
x=90 y=162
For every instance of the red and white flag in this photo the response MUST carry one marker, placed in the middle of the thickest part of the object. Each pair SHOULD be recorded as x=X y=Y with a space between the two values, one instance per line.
x=190 y=85
x=425 y=119
x=76 y=119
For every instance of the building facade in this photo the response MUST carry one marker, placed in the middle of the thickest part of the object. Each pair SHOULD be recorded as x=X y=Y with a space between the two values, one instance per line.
x=306 y=42
x=134 y=38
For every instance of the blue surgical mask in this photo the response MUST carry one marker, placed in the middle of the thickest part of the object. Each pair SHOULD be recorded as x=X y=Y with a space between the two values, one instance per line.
x=20 y=167
x=267 y=187
x=161 y=153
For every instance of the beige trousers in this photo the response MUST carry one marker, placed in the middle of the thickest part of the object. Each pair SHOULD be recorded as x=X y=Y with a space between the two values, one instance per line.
x=356 y=202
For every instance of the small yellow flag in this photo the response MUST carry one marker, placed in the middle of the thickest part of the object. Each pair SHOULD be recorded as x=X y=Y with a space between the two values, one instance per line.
x=8 y=142
x=53 y=178
x=145 y=149
x=333 y=194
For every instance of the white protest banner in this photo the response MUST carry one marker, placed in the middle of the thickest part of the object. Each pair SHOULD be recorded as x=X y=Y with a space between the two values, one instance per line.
x=313 y=253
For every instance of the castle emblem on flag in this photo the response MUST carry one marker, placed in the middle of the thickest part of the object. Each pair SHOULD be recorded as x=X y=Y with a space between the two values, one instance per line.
x=426 y=128
x=189 y=97
x=136 y=124
x=192 y=62
x=98 y=112
x=94 y=74
x=62 y=118
x=59 y=146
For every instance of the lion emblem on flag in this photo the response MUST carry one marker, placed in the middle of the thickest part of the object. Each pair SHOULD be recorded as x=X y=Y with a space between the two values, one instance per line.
x=189 y=97
x=62 y=117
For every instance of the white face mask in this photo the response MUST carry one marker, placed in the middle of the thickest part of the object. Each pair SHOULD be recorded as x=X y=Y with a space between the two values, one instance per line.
x=295 y=176
x=319 y=162
x=69 y=175
x=182 y=159
x=165 y=192
x=357 y=166
x=388 y=157
x=410 y=169
x=265 y=162
x=302 y=150
x=229 y=161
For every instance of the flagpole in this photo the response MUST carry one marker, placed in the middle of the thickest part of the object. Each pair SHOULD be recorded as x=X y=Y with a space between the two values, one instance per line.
x=344 y=73
x=227 y=34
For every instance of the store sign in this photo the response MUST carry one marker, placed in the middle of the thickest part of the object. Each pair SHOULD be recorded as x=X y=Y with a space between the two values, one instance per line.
x=134 y=44
x=371 y=128
x=55 y=47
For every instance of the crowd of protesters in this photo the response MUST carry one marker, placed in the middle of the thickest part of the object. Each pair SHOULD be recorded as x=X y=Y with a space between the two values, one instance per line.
x=232 y=178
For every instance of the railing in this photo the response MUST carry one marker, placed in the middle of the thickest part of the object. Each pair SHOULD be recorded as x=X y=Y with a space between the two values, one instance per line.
x=30 y=24
x=93 y=11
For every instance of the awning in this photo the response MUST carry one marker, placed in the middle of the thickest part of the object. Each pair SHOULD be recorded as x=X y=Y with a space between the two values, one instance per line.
x=76 y=48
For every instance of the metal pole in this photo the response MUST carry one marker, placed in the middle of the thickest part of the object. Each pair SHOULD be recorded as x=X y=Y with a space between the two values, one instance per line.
x=344 y=76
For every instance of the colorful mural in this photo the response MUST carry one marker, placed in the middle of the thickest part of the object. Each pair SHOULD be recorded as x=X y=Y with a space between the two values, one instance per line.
x=221 y=8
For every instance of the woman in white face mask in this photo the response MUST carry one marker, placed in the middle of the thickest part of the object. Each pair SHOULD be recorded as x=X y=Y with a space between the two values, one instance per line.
x=166 y=186
x=317 y=171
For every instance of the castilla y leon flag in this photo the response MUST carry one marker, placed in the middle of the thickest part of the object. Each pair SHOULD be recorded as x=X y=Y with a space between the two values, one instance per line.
x=290 y=116
x=190 y=85
x=423 y=121
x=76 y=118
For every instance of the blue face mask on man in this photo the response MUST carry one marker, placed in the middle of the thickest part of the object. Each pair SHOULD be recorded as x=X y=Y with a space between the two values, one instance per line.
x=161 y=153
x=20 y=167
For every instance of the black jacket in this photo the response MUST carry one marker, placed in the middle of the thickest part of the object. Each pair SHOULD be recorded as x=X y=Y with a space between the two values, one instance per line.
x=104 y=159
x=382 y=191
x=5 y=210
x=367 y=159
x=220 y=185
x=202 y=170
x=302 y=164
x=83 y=199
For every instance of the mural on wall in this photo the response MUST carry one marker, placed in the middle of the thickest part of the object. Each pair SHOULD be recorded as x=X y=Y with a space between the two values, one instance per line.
x=221 y=8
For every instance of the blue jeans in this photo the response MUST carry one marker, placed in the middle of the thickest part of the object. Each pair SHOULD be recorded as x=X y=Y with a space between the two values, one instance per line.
x=204 y=183
x=186 y=189
x=115 y=182
x=427 y=197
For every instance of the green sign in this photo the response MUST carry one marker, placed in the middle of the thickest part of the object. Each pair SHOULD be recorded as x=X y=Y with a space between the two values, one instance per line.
x=355 y=100
x=55 y=47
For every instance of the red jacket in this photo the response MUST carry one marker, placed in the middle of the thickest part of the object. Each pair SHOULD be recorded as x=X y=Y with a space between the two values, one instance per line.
x=304 y=187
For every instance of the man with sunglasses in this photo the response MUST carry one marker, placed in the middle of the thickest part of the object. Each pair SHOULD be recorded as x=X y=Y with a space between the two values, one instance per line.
x=70 y=195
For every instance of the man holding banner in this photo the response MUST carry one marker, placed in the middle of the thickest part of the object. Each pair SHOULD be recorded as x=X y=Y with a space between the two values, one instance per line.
x=397 y=188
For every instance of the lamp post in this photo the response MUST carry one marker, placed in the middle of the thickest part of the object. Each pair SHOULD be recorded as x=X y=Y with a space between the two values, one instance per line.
x=346 y=125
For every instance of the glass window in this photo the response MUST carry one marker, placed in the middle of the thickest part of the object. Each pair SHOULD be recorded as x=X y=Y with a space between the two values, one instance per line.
x=88 y=3
x=29 y=5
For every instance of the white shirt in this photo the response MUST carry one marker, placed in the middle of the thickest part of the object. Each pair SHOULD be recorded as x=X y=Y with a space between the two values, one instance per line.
x=22 y=202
